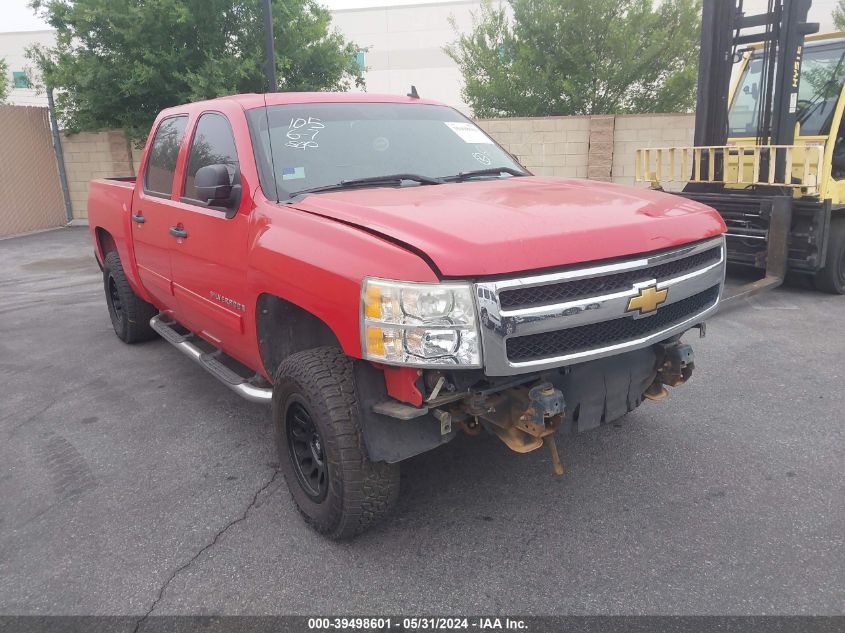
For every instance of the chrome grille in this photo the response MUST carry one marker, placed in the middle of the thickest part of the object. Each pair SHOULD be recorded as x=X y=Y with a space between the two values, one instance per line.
x=585 y=337
x=576 y=315
x=596 y=286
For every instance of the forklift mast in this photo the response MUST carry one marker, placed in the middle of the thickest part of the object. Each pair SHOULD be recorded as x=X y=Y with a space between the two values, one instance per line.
x=726 y=32
x=770 y=180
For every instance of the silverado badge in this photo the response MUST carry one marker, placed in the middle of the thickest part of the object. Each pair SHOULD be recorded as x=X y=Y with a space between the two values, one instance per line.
x=647 y=300
x=237 y=305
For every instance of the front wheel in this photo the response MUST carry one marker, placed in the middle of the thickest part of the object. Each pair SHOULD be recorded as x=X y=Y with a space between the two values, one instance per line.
x=831 y=278
x=336 y=487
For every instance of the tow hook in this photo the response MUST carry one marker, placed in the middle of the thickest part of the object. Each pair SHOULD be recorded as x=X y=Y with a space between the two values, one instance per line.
x=524 y=419
x=546 y=404
x=676 y=369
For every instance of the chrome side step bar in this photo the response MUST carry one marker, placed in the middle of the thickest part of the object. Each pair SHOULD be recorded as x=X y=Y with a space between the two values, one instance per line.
x=244 y=387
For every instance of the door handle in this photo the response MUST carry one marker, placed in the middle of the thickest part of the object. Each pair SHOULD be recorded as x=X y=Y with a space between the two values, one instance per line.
x=137 y=217
x=175 y=231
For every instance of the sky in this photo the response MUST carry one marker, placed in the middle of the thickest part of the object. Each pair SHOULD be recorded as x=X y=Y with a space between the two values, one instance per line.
x=17 y=16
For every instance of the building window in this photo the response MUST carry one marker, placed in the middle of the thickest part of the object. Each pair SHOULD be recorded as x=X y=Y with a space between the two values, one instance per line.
x=20 y=79
x=360 y=59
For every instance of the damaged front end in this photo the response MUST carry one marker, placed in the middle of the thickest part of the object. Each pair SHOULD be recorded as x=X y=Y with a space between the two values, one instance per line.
x=524 y=412
x=525 y=416
x=561 y=352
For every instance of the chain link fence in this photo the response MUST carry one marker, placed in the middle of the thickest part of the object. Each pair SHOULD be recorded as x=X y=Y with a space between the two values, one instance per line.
x=30 y=193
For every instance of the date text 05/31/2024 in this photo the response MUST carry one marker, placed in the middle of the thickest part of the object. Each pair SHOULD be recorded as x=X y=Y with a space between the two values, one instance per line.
x=416 y=624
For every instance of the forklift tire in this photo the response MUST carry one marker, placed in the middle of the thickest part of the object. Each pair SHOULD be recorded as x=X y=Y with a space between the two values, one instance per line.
x=130 y=315
x=336 y=487
x=831 y=278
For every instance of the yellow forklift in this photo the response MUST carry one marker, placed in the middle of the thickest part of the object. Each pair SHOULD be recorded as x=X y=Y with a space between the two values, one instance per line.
x=769 y=146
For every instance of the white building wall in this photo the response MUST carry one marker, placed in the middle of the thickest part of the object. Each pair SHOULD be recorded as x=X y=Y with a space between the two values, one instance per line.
x=405 y=47
x=13 y=48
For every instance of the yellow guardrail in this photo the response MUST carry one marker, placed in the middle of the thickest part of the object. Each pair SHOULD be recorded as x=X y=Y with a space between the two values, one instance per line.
x=731 y=164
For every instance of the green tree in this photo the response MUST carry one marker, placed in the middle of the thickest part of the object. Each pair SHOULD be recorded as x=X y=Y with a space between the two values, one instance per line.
x=839 y=16
x=117 y=63
x=4 y=80
x=560 y=57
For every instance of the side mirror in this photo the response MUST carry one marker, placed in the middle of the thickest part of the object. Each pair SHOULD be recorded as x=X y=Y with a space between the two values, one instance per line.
x=214 y=187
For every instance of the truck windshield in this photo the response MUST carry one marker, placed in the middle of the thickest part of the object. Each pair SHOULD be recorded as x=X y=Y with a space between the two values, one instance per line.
x=822 y=73
x=312 y=145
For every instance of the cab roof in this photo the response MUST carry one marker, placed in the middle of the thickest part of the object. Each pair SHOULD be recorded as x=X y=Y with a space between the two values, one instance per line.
x=815 y=38
x=249 y=101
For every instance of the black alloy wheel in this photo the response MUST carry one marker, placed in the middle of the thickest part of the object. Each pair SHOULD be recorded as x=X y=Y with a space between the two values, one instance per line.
x=307 y=452
x=114 y=302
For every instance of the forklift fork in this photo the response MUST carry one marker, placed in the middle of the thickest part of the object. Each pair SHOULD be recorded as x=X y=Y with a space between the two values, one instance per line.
x=777 y=253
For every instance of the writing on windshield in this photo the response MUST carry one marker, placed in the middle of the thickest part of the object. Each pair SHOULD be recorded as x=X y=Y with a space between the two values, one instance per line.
x=301 y=147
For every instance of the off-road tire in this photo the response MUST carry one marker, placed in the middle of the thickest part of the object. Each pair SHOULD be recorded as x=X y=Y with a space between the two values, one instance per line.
x=359 y=492
x=831 y=278
x=131 y=318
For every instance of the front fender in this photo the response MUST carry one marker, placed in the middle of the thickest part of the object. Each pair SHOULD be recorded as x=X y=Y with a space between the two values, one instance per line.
x=319 y=265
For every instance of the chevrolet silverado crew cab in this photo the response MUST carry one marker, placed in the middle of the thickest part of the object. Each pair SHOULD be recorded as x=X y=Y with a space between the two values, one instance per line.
x=386 y=276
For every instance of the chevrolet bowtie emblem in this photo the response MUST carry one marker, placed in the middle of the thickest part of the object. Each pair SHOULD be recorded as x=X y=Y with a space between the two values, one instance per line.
x=648 y=299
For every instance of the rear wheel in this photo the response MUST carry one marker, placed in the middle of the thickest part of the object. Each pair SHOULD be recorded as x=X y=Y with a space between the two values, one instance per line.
x=130 y=315
x=336 y=487
x=831 y=278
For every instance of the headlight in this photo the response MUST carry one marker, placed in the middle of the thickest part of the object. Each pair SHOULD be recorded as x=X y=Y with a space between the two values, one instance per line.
x=419 y=324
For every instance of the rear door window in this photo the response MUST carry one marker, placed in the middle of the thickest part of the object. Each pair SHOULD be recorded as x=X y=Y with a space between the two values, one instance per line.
x=161 y=166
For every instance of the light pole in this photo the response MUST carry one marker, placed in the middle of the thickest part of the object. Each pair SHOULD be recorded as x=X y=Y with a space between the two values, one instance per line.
x=60 y=156
x=269 y=47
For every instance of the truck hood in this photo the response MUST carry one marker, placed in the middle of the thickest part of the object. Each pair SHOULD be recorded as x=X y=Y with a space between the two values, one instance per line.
x=509 y=225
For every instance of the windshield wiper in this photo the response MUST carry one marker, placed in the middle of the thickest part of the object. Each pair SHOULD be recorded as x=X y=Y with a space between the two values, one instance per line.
x=391 y=179
x=489 y=171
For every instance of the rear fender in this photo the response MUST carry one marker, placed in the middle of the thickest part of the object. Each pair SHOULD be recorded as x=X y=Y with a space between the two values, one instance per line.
x=109 y=211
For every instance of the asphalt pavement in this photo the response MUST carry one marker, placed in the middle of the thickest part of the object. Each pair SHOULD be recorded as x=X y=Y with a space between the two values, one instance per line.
x=131 y=482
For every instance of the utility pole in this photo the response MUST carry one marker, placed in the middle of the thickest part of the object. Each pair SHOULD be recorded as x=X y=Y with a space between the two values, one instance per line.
x=269 y=47
x=60 y=156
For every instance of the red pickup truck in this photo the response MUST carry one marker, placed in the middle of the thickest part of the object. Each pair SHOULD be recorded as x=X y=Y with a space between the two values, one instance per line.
x=386 y=276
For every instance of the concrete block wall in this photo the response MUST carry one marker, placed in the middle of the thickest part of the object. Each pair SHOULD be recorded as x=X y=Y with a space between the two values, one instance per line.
x=137 y=154
x=633 y=131
x=90 y=155
x=600 y=154
x=548 y=146
x=598 y=147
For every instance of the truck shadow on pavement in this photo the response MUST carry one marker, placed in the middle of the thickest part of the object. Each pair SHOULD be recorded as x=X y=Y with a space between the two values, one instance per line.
x=478 y=481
